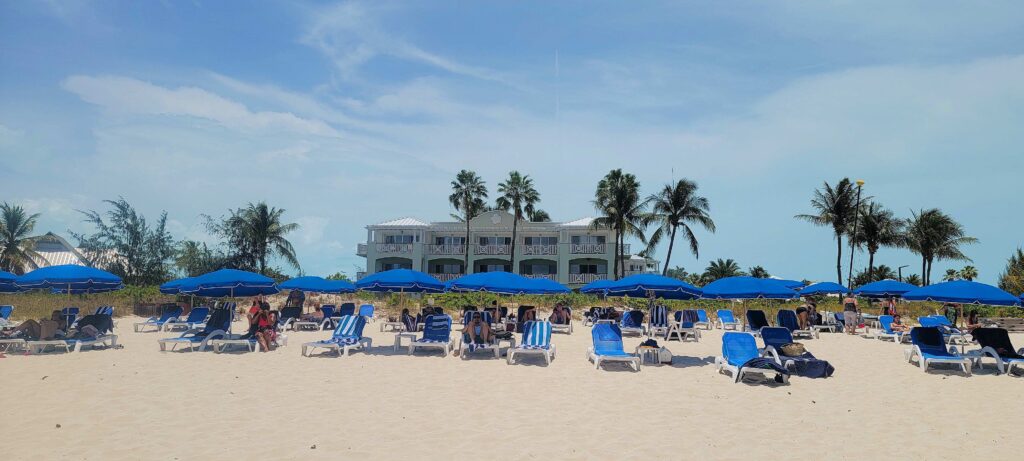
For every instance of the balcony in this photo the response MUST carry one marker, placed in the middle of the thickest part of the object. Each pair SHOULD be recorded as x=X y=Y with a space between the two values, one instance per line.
x=360 y=275
x=446 y=249
x=588 y=248
x=583 y=279
x=540 y=250
x=552 y=277
x=493 y=250
x=361 y=250
x=446 y=277
x=394 y=248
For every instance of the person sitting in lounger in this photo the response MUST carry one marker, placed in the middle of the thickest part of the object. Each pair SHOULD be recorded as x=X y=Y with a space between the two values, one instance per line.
x=477 y=331
x=408 y=321
x=972 y=321
x=560 y=315
x=43 y=329
x=897 y=325
x=801 y=315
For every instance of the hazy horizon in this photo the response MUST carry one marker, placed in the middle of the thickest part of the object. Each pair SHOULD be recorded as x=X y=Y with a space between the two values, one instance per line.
x=356 y=113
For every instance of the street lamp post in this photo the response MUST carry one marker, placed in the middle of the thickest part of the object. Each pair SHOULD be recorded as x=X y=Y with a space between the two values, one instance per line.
x=853 y=237
x=899 y=271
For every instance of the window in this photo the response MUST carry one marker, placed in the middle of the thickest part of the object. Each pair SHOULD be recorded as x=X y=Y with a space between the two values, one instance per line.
x=449 y=240
x=446 y=268
x=494 y=268
x=538 y=269
x=390 y=266
x=540 y=240
x=588 y=269
x=398 y=239
x=587 y=239
x=486 y=241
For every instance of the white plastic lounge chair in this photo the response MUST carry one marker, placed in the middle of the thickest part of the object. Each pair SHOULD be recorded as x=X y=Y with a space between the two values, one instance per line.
x=886 y=332
x=465 y=347
x=683 y=327
x=702 y=320
x=738 y=348
x=346 y=337
x=727 y=321
x=327 y=310
x=437 y=331
x=632 y=322
x=929 y=348
x=607 y=347
x=995 y=343
x=562 y=327
x=170 y=314
x=787 y=319
x=657 y=324
x=218 y=327
x=536 y=340
x=366 y=310
x=196 y=319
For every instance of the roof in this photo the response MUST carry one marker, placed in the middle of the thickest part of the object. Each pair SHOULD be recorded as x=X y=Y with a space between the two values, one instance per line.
x=403 y=222
x=582 y=222
x=53 y=250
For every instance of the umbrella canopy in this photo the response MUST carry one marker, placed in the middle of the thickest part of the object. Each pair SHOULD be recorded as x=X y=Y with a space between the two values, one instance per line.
x=229 y=283
x=638 y=286
x=597 y=286
x=496 y=282
x=7 y=284
x=70 y=278
x=824 y=288
x=174 y=286
x=405 y=280
x=318 y=285
x=963 y=292
x=549 y=287
x=747 y=288
x=884 y=289
x=791 y=284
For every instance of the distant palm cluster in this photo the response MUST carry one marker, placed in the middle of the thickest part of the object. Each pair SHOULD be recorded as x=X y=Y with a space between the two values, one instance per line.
x=250 y=237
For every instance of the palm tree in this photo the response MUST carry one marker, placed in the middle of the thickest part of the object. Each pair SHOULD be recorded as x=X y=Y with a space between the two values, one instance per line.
x=969 y=273
x=935 y=235
x=951 y=275
x=468 y=194
x=675 y=208
x=720 y=269
x=16 y=244
x=834 y=207
x=263 y=233
x=759 y=272
x=883 y=272
x=878 y=228
x=618 y=200
x=913 y=279
x=517 y=197
x=538 y=215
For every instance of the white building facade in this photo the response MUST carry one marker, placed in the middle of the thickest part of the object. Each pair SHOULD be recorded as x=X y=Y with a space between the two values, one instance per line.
x=572 y=253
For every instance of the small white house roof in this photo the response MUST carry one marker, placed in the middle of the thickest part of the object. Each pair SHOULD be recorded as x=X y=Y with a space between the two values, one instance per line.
x=582 y=222
x=403 y=222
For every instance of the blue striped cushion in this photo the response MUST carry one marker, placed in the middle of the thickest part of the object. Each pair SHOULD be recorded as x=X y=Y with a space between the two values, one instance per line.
x=659 y=317
x=537 y=334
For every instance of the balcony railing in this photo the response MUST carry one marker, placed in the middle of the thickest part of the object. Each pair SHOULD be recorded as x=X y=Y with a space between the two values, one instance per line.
x=446 y=277
x=446 y=249
x=360 y=275
x=492 y=249
x=587 y=248
x=551 y=277
x=540 y=250
x=586 y=278
x=394 y=248
x=361 y=250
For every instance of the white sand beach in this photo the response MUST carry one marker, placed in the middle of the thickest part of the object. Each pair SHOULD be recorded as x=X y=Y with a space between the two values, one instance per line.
x=139 y=403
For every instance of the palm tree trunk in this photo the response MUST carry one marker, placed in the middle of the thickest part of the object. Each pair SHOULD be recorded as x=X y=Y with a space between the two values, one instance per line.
x=839 y=257
x=615 y=266
x=929 y=279
x=924 y=271
x=668 y=257
x=512 y=256
x=871 y=265
x=465 y=259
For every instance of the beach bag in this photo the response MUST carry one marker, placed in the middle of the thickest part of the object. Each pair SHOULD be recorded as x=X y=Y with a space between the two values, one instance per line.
x=649 y=343
x=813 y=368
x=793 y=349
x=664 y=355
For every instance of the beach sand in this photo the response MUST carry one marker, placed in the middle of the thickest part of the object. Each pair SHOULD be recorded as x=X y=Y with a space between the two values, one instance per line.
x=139 y=403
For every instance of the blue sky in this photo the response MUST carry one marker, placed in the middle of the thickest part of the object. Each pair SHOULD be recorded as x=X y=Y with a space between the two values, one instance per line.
x=353 y=113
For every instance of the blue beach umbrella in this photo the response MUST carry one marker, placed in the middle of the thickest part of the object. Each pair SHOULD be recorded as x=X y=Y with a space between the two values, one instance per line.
x=7 y=284
x=791 y=284
x=963 y=292
x=597 y=286
x=70 y=278
x=746 y=287
x=229 y=283
x=884 y=289
x=174 y=286
x=400 y=280
x=318 y=285
x=505 y=283
x=641 y=285
x=549 y=287
x=824 y=288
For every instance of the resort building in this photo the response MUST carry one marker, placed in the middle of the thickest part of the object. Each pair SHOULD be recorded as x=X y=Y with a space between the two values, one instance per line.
x=572 y=253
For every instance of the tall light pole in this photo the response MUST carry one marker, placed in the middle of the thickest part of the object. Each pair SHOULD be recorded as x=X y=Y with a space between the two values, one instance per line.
x=899 y=271
x=853 y=237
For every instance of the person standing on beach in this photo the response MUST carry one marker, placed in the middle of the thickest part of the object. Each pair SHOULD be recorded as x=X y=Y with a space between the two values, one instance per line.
x=850 y=313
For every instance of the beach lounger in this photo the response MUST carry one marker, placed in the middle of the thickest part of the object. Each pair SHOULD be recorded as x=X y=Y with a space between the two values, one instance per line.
x=886 y=331
x=756 y=320
x=105 y=338
x=6 y=311
x=702 y=320
x=632 y=322
x=607 y=347
x=465 y=347
x=738 y=349
x=70 y=316
x=727 y=321
x=929 y=347
x=287 y=317
x=327 y=312
x=658 y=323
x=787 y=319
x=563 y=327
x=196 y=319
x=12 y=344
x=218 y=326
x=995 y=343
x=346 y=309
x=366 y=310
x=437 y=332
x=347 y=336
x=590 y=317
x=170 y=313
x=536 y=340
x=684 y=327
x=950 y=333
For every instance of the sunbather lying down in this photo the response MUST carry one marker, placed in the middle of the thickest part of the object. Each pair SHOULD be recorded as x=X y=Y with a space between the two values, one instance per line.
x=477 y=331
x=43 y=329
